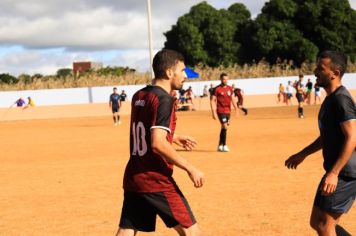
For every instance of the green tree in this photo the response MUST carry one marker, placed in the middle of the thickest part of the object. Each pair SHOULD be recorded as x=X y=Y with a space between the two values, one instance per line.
x=8 y=79
x=208 y=36
x=64 y=72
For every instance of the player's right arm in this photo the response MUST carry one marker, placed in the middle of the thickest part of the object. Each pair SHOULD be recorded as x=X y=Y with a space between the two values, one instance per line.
x=162 y=147
x=293 y=161
x=110 y=101
x=213 y=106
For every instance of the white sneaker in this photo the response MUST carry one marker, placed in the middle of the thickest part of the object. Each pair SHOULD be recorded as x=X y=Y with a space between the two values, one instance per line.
x=115 y=124
x=220 y=148
x=119 y=122
x=226 y=149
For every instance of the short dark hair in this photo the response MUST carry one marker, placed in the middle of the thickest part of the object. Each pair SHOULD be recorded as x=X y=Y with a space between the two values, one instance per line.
x=114 y=88
x=222 y=75
x=301 y=76
x=164 y=60
x=338 y=60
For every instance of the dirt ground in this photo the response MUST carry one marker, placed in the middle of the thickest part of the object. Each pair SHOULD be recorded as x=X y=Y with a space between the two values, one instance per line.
x=64 y=176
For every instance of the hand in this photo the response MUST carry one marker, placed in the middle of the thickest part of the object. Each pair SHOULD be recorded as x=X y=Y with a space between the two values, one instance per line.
x=186 y=142
x=329 y=185
x=293 y=161
x=197 y=177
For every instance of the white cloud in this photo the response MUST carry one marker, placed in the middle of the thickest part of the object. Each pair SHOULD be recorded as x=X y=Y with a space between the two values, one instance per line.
x=43 y=36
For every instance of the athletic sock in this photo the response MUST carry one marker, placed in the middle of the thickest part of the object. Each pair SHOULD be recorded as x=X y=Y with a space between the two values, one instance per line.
x=118 y=118
x=223 y=134
x=300 y=111
x=114 y=118
x=244 y=110
x=221 y=137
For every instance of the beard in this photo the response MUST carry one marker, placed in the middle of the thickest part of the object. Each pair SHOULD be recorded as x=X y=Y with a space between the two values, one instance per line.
x=323 y=83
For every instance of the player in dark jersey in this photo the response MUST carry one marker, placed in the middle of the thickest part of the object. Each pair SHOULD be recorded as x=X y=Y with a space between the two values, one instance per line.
x=238 y=93
x=300 y=96
x=337 y=124
x=221 y=107
x=149 y=188
x=114 y=104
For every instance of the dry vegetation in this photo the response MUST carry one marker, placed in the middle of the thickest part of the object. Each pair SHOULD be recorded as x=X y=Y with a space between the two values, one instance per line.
x=260 y=70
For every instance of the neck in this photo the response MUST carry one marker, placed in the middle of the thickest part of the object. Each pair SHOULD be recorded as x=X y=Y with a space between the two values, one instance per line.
x=332 y=87
x=163 y=83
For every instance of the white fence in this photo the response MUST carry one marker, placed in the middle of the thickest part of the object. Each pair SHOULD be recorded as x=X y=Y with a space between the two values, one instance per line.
x=101 y=94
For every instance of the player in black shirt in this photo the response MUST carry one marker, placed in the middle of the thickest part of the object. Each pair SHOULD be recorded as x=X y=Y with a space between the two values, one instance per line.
x=337 y=124
x=115 y=104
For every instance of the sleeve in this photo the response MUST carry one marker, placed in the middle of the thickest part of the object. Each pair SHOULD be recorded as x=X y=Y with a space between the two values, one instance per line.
x=345 y=108
x=163 y=114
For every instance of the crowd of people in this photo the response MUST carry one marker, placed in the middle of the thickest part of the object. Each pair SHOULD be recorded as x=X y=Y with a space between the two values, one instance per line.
x=285 y=93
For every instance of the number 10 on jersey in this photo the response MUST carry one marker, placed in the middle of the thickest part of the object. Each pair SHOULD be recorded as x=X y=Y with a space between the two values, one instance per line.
x=139 y=139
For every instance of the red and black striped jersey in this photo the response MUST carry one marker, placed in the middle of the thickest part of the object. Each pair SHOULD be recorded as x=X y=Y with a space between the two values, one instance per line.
x=152 y=107
x=223 y=96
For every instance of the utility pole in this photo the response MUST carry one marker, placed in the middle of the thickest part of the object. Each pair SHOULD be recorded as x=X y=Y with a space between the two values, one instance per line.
x=150 y=35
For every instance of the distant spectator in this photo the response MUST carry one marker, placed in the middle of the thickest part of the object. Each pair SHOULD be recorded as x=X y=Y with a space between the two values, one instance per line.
x=309 y=87
x=182 y=98
x=289 y=93
x=211 y=91
x=281 y=93
x=317 y=93
x=20 y=102
x=205 y=91
x=123 y=96
x=30 y=103
x=190 y=96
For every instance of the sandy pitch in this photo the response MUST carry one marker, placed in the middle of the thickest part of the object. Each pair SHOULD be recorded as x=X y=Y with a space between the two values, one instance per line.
x=64 y=176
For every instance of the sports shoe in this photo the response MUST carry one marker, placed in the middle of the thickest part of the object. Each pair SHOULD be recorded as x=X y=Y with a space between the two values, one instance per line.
x=115 y=124
x=220 y=148
x=119 y=122
x=226 y=149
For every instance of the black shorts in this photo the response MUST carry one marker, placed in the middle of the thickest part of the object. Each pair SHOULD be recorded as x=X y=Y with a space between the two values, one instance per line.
x=341 y=200
x=299 y=97
x=115 y=109
x=224 y=118
x=139 y=210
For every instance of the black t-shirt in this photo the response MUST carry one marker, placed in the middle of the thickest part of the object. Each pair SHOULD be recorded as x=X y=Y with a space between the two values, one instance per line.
x=123 y=97
x=114 y=99
x=337 y=108
x=309 y=85
x=211 y=91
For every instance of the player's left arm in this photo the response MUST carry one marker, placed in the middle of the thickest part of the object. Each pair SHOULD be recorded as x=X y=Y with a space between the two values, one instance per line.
x=349 y=130
x=234 y=103
x=184 y=141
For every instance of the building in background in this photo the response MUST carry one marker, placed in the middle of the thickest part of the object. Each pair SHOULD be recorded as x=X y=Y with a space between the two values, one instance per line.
x=79 y=67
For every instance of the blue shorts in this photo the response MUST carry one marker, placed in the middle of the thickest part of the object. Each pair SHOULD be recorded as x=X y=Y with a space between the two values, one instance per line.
x=339 y=201
x=115 y=109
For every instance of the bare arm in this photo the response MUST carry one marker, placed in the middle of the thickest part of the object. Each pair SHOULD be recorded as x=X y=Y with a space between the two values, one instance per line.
x=234 y=103
x=213 y=106
x=161 y=146
x=349 y=130
x=293 y=161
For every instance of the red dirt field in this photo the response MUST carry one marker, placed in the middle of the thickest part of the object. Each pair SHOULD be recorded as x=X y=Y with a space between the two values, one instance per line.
x=64 y=176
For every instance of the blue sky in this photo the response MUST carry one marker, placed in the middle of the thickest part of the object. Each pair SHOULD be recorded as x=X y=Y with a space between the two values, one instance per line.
x=39 y=36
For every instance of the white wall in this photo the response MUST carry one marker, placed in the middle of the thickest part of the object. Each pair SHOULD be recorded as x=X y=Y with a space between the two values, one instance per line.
x=101 y=94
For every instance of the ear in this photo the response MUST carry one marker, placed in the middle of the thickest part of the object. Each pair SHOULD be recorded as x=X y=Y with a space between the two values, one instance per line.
x=336 y=74
x=169 y=73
